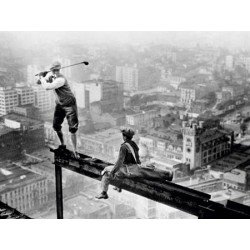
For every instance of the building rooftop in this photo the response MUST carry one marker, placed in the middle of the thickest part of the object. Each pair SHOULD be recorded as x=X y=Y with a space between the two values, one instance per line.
x=231 y=161
x=211 y=134
x=85 y=203
x=5 y=130
x=178 y=143
x=26 y=121
x=12 y=175
x=223 y=195
x=236 y=175
x=7 y=212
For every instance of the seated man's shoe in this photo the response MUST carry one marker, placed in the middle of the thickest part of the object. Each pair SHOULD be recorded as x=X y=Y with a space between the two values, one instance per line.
x=118 y=189
x=62 y=147
x=102 y=195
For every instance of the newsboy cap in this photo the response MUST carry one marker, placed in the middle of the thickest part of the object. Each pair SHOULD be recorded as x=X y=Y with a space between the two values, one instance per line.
x=128 y=132
x=55 y=65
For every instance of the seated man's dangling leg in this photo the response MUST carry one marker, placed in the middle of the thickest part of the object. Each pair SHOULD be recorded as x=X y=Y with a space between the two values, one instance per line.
x=104 y=185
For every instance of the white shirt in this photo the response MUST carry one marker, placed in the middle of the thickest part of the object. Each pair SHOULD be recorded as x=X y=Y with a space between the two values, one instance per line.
x=57 y=83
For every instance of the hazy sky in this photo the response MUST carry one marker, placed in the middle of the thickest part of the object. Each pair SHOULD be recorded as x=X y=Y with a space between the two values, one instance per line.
x=230 y=39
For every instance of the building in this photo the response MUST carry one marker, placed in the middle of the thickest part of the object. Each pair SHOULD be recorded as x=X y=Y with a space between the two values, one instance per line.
x=87 y=92
x=142 y=118
x=8 y=100
x=113 y=118
x=235 y=91
x=223 y=96
x=191 y=92
x=32 y=70
x=245 y=61
x=25 y=95
x=236 y=179
x=84 y=207
x=32 y=131
x=22 y=189
x=43 y=99
x=11 y=145
x=202 y=146
x=128 y=76
x=175 y=81
x=26 y=110
x=229 y=62
x=108 y=92
x=112 y=96
x=104 y=144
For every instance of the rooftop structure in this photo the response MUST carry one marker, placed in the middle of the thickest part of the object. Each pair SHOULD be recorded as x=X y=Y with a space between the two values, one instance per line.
x=17 y=121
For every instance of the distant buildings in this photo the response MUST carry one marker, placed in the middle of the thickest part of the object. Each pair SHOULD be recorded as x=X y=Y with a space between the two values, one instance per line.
x=175 y=81
x=128 y=76
x=192 y=91
x=235 y=91
x=8 y=100
x=142 y=118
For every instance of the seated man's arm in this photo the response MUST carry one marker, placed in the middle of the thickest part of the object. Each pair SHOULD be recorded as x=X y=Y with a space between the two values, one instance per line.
x=119 y=161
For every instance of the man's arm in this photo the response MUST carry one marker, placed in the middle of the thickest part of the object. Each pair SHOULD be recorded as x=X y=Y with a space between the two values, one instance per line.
x=57 y=83
x=119 y=161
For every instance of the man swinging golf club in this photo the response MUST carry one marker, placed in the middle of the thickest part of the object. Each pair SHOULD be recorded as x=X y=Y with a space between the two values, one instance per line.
x=65 y=103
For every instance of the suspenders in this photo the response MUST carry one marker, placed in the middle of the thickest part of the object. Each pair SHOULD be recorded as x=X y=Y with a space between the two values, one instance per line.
x=131 y=150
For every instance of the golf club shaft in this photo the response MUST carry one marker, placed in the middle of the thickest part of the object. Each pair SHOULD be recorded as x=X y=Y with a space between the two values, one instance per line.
x=85 y=63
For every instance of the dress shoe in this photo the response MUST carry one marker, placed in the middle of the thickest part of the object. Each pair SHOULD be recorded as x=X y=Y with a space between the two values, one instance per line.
x=117 y=189
x=102 y=195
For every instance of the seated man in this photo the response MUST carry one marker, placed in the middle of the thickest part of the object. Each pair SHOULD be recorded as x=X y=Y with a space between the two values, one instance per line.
x=125 y=157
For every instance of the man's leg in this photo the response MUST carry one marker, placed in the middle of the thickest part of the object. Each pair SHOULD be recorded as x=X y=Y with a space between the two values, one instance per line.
x=74 y=143
x=59 y=116
x=60 y=136
x=72 y=117
x=104 y=185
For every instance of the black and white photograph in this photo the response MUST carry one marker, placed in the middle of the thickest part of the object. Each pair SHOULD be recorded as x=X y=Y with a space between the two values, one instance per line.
x=163 y=117
x=133 y=123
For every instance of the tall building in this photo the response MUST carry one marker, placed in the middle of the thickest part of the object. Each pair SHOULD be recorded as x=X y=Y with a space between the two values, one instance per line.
x=111 y=96
x=87 y=92
x=11 y=146
x=25 y=95
x=108 y=92
x=128 y=76
x=202 y=146
x=32 y=131
x=42 y=98
x=8 y=100
x=32 y=70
